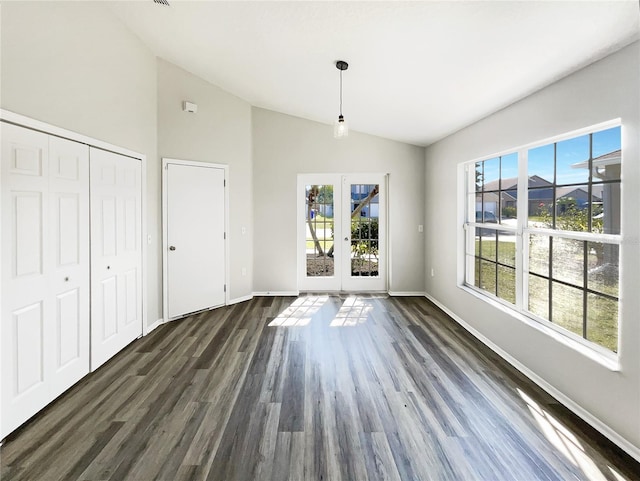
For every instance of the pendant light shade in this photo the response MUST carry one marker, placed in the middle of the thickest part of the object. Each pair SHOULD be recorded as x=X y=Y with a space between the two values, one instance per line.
x=340 y=128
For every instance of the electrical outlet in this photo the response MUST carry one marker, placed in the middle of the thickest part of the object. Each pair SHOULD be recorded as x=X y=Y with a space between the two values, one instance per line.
x=433 y=273
x=244 y=230
x=244 y=271
x=420 y=228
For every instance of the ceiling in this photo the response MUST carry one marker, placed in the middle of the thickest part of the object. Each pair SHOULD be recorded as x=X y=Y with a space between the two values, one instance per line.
x=418 y=70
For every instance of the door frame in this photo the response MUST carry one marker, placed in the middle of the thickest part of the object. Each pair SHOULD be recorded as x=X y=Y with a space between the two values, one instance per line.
x=336 y=179
x=33 y=124
x=165 y=227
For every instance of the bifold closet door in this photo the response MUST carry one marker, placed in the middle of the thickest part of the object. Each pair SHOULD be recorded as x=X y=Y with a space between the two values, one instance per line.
x=45 y=270
x=116 y=253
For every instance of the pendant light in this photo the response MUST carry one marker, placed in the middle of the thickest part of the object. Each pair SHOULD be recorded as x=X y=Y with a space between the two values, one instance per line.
x=340 y=128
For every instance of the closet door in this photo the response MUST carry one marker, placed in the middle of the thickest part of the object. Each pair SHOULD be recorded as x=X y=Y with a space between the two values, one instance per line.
x=45 y=292
x=116 y=253
x=69 y=260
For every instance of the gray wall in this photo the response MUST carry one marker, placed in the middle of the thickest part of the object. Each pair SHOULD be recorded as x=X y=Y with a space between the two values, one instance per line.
x=603 y=91
x=220 y=132
x=284 y=146
x=75 y=66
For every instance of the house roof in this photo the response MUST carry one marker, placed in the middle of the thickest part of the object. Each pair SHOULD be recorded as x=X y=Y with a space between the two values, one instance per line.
x=511 y=183
x=610 y=158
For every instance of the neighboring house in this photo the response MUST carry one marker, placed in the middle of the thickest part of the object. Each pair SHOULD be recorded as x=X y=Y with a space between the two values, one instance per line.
x=540 y=194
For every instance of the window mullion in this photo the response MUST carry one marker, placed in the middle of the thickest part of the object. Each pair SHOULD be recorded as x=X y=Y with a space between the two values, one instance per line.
x=585 y=276
x=522 y=250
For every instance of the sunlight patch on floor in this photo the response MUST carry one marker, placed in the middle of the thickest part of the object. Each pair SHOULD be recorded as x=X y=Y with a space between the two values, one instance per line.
x=565 y=441
x=300 y=312
x=354 y=311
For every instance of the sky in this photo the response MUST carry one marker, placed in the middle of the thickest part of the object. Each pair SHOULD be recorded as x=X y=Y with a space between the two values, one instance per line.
x=569 y=152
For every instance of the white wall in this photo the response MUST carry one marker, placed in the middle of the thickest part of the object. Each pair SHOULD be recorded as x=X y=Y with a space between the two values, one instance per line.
x=284 y=146
x=73 y=65
x=603 y=91
x=220 y=132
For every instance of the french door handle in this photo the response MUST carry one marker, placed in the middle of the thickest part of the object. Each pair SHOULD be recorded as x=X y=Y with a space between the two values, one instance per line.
x=172 y=248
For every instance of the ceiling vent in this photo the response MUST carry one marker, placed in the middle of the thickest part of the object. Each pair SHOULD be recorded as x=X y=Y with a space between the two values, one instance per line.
x=162 y=2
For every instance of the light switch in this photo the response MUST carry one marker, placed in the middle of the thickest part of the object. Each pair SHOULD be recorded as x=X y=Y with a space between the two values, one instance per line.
x=420 y=228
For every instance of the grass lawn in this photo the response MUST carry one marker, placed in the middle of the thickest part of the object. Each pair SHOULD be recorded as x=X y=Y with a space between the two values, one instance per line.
x=602 y=313
x=325 y=244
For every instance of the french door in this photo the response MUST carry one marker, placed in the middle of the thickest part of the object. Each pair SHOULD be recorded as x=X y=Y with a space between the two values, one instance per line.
x=342 y=232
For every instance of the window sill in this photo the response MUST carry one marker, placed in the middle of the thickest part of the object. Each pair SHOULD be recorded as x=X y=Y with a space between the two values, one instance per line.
x=607 y=359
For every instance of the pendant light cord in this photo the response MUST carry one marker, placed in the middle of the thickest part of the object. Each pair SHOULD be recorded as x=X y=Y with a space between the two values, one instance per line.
x=341 y=93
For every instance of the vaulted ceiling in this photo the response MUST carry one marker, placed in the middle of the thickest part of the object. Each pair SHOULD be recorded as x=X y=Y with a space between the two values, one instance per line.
x=418 y=70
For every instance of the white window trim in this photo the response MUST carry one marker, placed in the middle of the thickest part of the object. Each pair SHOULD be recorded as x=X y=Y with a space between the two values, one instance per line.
x=590 y=349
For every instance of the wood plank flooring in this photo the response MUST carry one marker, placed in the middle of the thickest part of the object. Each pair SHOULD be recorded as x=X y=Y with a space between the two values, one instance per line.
x=316 y=388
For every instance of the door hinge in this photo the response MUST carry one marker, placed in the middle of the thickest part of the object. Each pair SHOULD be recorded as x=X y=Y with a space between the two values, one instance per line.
x=225 y=235
x=224 y=183
x=225 y=288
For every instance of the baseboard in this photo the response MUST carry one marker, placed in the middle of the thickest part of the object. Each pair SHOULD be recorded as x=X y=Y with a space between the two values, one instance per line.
x=406 y=293
x=158 y=323
x=277 y=293
x=248 y=297
x=578 y=410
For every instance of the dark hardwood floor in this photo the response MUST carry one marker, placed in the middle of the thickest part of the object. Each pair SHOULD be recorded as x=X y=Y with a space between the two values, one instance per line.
x=315 y=388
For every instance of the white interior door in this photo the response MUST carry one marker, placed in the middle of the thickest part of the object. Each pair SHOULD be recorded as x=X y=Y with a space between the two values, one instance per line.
x=45 y=278
x=116 y=253
x=195 y=237
x=69 y=263
x=341 y=232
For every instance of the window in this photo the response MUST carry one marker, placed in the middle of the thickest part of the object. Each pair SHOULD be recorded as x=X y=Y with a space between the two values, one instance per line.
x=543 y=232
x=494 y=197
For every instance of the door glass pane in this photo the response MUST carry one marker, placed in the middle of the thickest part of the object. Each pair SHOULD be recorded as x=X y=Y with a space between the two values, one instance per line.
x=365 y=214
x=319 y=230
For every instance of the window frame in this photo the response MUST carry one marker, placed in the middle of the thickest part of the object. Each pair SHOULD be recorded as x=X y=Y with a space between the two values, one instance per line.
x=523 y=231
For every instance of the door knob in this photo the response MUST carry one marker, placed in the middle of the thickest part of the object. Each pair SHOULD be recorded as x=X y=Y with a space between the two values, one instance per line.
x=66 y=279
x=346 y=238
x=172 y=248
x=108 y=267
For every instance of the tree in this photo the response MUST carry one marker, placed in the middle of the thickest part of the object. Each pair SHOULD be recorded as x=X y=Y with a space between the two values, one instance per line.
x=312 y=198
x=358 y=209
x=571 y=217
